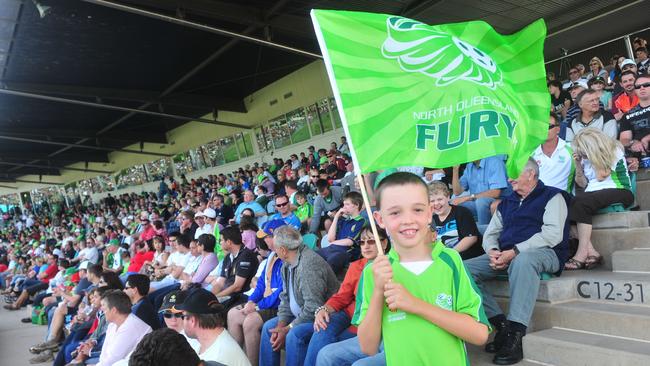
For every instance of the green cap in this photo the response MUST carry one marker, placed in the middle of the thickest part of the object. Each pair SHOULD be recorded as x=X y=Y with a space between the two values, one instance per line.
x=114 y=242
x=71 y=271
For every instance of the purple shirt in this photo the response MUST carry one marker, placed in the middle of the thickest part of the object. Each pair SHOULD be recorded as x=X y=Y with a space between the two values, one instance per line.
x=208 y=263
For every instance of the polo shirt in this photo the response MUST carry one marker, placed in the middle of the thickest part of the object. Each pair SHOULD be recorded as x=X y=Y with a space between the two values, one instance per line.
x=350 y=228
x=619 y=177
x=489 y=174
x=637 y=120
x=602 y=120
x=256 y=207
x=408 y=338
x=243 y=265
x=559 y=169
x=291 y=220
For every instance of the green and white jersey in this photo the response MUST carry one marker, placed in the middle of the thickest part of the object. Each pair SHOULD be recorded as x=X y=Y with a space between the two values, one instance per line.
x=118 y=261
x=557 y=170
x=619 y=177
x=412 y=340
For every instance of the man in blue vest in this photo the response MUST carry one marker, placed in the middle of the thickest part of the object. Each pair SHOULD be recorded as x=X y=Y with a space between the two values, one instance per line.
x=527 y=236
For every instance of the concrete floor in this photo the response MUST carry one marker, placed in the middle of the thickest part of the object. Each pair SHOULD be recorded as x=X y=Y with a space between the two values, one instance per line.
x=16 y=337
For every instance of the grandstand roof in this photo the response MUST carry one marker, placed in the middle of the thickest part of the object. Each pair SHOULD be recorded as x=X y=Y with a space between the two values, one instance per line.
x=90 y=52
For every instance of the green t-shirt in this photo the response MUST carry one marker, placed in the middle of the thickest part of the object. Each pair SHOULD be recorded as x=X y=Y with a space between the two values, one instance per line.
x=304 y=212
x=412 y=340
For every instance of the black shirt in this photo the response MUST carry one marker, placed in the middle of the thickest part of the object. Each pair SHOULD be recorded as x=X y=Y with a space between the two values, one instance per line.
x=637 y=120
x=558 y=102
x=243 y=265
x=458 y=225
x=224 y=214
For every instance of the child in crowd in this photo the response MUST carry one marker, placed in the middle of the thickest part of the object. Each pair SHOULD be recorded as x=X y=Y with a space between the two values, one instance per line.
x=419 y=298
x=305 y=210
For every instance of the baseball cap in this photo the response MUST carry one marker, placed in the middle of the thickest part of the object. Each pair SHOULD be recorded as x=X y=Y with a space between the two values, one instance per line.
x=84 y=265
x=114 y=242
x=579 y=83
x=210 y=213
x=199 y=214
x=172 y=299
x=597 y=79
x=626 y=62
x=269 y=227
x=200 y=301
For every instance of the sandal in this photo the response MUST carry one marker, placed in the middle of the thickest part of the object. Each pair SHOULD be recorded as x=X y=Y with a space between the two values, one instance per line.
x=594 y=261
x=574 y=264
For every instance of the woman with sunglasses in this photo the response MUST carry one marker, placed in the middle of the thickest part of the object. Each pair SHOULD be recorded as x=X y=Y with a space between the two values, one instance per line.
x=333 y=320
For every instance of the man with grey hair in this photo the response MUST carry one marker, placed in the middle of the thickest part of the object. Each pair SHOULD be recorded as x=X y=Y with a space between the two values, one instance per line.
x=308 y=281
x=527 y=236
x=592 y=116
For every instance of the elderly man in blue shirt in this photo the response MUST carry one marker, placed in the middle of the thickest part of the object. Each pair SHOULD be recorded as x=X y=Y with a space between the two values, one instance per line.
x=482 y=182
x=249 y=202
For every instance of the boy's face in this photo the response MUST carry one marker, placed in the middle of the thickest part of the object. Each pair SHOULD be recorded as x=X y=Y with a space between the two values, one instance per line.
x=349 y=208
x=406 y=215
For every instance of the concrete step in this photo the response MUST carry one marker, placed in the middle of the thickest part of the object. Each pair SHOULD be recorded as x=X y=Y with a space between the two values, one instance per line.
x=633 y=260
x=628 y=219
x=566 y=347
x=596 y=285
x=608 y=241
x=643 y=194
x=601 y=318
x=642 y=174
x=478 y=357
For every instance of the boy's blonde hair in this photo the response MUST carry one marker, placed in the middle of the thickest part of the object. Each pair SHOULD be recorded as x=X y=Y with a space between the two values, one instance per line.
x=438 y=187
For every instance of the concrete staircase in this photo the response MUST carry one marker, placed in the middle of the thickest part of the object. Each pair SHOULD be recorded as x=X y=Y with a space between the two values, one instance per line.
x=602 y=316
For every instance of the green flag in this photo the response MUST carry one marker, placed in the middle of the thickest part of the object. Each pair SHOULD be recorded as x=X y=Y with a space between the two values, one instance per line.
x=434 y=96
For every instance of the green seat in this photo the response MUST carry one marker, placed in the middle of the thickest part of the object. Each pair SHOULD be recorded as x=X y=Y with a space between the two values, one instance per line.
x=310 y=240
x=618 y=207
x=542 y=276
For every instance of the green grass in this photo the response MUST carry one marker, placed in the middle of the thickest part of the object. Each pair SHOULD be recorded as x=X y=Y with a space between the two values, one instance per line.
x=230 y=154
x=315 y=128
x=248 y=142
x=301 y=134
x=327 y=121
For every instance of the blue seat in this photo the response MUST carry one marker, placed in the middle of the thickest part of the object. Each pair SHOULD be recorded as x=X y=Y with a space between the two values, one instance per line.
x=310 y=240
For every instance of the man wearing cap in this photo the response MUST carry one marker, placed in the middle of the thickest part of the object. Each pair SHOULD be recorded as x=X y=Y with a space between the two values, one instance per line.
x=238 y=268
x=308 y=281
x=283 y=206
x=591 y=116
x=203 y=320
x=626 y=99
x=199 y=218
x=113 y=260
x=245 y=321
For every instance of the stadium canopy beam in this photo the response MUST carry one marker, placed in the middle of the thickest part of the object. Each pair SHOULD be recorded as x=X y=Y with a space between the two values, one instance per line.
x=72 y=145
x=195 y=101
x=29 y=171
x=72 y=157
x=38 y=182
x=56 y=167
x=158 y=137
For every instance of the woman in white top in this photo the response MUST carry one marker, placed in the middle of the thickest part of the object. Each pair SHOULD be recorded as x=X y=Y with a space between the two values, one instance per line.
x=602 y=170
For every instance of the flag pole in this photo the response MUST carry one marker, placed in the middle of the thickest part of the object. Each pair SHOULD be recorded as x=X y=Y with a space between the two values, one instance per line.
x=366 y=203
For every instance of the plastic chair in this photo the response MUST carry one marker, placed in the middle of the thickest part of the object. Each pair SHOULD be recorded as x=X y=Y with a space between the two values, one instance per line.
x=618 y=207
x=310 y=240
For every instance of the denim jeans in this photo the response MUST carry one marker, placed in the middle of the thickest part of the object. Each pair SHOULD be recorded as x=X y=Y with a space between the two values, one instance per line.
x=337 y=330
x=480 y=209
x=523 y=276
x=348 y=353
x=295 y=344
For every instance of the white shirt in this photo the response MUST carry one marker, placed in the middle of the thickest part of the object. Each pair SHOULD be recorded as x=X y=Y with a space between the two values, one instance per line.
x=224 y=350
x=192 y=264
x=90 y=254
x=595 y=185
x=178 y=259
x=119 y=342
x=557 y=170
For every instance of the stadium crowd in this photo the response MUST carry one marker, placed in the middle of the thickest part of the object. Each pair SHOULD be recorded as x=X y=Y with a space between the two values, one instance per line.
x=233 y=269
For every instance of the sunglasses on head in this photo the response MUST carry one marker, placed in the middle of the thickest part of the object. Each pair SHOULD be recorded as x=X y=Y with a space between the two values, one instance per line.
x=644 y=85
x=169 y=315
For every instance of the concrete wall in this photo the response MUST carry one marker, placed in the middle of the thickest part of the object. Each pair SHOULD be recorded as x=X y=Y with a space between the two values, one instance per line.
x=307 y=86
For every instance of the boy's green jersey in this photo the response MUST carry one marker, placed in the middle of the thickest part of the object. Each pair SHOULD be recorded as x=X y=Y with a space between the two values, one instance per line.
x=412 y=340
x=304 y=211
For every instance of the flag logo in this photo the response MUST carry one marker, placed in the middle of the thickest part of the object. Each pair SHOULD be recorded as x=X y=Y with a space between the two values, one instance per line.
x=446 y=58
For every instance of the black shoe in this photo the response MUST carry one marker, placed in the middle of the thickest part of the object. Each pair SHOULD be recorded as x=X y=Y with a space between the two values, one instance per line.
x=499 y=338
x=26 y=320
x=512 y=350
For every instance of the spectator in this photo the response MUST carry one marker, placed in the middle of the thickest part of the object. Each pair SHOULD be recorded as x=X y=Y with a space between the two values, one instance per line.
x=591 y=116
x=597 y=69
x=560 y=100
x=343 y=235
x=249 y=202
x=237 y=270
x=602 y=170
x=627 y=99
x=573 y=111
x=482 y=182
x=304 y=210
x=555 y=159
x=635 y=125
x=248 y=231
x=328 y=201
x=31 y=287
x=625 y=64
x=124 y=331
x=454 y=225
x=144 y=252
x=224 y=212
x=643 y=64
x=599 y=84
x=136 y=288
x=203 y=321
x=527 y=235
x=208 y=261
x=333 y=320
x=343 y=147
x=414 y=283
x=574 y=77
x=245 y=321
x=165 y=347
x=307 y=282
x=188 y=225
x=176 y=262
x=284 y=213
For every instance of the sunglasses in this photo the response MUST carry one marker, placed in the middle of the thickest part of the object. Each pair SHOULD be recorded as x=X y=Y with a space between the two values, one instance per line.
x=644 y=85
x=281 y=204
x=315 y=176
x=169 y=315
x=368 y=242
x=550 y=127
